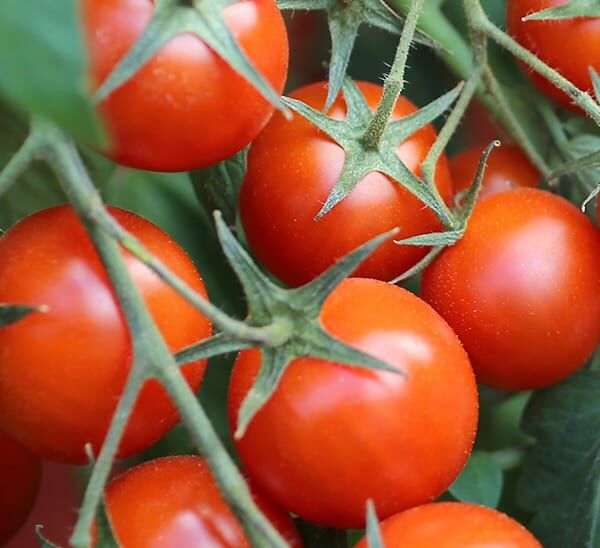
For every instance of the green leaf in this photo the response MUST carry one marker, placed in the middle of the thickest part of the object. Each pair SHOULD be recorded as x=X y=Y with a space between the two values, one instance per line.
x=560 y=478
x=575 y=8
x=218 y=187
x=43 y=542
x=480 y=481
x=12 y=313
x=43 y=66
x=595 y=82
x=374 y=539
x=433 y=239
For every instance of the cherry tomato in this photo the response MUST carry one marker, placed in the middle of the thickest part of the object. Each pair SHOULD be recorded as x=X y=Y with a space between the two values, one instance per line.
x=62 y=371
x=521 y=289
x=174 y=501
x=507 y=167
x=453 y=525
x=292 y=168
x=333 y=436
x=186 y=108
x=19 y=485
x=570 y=46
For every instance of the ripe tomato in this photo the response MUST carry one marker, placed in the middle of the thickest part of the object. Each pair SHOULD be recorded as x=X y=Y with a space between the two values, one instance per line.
x=19 y=485
x=62 y=371
x=292 y=167
x=333 y=436
x=453 y=525
x=570 y=46
x=186 y=108
x=174 y=501
x=521 y=289
x=508 y=166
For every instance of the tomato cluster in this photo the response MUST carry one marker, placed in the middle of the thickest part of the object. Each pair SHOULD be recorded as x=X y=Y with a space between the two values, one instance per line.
x=515 y=304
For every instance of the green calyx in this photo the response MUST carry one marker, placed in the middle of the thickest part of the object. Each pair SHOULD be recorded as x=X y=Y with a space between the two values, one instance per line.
x=364 y=156
x=292 y=316
x=345 y=18
x=570 y=10
x=205 y=19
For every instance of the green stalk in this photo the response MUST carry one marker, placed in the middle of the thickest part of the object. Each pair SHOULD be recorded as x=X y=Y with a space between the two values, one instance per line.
x=457 y=55
x=152 y=359
x=394 y=83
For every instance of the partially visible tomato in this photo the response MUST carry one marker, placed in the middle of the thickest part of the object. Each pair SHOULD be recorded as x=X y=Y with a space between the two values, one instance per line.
x=62 y=371
x=19 y=485
x=186 y=108
x=508 y=166
x=453 y=525
x=521 y=289
x=570 y=46
x=175 y=502
x=332 y=436
x=292 y=167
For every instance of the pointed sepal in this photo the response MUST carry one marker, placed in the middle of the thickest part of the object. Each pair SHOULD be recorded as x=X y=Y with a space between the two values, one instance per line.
x=571 y=10
x=217 y=345
x=272 y=367
x=374 y=538
x=12 y=313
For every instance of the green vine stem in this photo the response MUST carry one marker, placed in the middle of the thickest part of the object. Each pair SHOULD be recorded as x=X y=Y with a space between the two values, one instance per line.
x=394 y=83
x=457 y=55
x=152 y=358
x=479 y=20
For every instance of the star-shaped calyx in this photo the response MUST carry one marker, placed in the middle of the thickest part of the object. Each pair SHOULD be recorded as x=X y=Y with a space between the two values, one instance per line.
x=345 y=18
x=362 y=157
x=205 y=19
x=293 y=317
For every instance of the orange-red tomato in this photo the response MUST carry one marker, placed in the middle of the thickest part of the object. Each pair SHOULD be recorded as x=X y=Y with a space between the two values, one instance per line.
x=508 y=166
x=186 y=108
x=521 y=289
x=175 y=502
x=19 y=485
x=570 y=46
x=292 y=167
x=453 y=525
x=62 y=371
x=332 y=436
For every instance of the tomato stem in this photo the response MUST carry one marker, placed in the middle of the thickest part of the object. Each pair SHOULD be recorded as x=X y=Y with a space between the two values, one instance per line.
x=394 y=83
x=151 y=356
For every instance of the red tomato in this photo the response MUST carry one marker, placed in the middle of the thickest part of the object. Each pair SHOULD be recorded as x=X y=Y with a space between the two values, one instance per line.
x=292 y=167
x=521 y=289
x=333 y=436
x=508 y=166
x=570 y=46
x=19 y=485
x=453 y=525
x=186 y=108
x=175 y=501
x=61 y=372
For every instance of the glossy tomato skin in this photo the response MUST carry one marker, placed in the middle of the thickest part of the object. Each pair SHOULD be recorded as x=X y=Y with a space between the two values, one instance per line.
x=570 y=46
x=19 y=485
x=292 y=168
x=333 y=436
x=453 y=525
x=508 y=166
x=175 y=501
x=186 y=108
x=62 y=371
x=521 y=289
